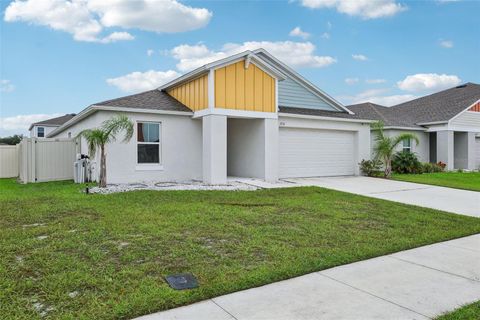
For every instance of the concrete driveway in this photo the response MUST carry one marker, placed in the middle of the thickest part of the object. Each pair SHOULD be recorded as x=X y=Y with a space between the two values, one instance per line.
x=440 y=198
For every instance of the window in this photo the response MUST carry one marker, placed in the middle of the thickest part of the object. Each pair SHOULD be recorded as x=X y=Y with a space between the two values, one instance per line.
x=407 y=145
x=40 y=132
x=148 y=143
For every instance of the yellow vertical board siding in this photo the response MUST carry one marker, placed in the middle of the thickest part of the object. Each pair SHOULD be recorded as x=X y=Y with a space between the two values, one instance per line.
x=249 y=89
x=193 y=94
x=220 y=88
x=240 y=86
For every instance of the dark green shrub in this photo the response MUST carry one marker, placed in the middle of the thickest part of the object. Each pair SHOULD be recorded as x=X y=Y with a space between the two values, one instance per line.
x=406 y=162
x=428 y=167
x=371 y=168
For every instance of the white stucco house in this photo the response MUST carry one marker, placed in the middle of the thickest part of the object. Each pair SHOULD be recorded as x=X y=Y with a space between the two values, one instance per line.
x=43 y=128
x=447 y=124
x=249 y=115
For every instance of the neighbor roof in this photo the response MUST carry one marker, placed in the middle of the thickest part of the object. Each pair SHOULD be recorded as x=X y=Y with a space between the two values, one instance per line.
x=153 y=99
x=438 y=107
x=53 y=122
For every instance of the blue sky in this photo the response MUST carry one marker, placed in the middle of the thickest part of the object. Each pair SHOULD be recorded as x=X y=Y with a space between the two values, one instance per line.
x=60 y=56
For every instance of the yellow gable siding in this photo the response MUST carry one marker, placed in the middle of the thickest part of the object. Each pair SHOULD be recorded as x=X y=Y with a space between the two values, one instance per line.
x=249 y=89
x=193 y=94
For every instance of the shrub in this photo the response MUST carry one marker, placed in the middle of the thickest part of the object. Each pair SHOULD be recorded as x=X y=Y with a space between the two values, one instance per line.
x=406 y=162
x=442 y=165
x=370 y=168
x=428 y=167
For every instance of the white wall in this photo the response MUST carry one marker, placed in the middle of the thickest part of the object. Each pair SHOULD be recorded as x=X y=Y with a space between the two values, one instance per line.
x=422 y=149
x=48 y=129
x=245 y=148
x=181 y=149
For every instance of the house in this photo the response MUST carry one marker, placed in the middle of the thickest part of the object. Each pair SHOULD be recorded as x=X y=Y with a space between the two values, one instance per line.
x=447 y=124
x=248 y=115
x=43 y=128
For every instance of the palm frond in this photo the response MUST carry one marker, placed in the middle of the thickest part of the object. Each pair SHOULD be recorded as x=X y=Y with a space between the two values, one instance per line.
x=116 y=124
x=95 y=138
x=405 y=136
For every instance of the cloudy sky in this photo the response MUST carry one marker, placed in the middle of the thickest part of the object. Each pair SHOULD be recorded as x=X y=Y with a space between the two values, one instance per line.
x=60 y=56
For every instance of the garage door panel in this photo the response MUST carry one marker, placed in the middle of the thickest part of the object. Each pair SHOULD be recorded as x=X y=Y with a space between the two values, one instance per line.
x=311 y=152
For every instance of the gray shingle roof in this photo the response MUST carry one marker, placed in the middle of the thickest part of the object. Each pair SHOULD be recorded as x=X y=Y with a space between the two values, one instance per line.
x=320 y=113
x=437 y=107
x=153 y=99
x=58 y=121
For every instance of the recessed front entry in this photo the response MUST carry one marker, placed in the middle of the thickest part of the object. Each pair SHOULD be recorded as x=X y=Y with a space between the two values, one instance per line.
x=313 y=152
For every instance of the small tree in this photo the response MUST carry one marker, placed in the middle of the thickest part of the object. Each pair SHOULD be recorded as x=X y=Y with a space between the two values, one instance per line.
x=99 y=137
x=385 y=146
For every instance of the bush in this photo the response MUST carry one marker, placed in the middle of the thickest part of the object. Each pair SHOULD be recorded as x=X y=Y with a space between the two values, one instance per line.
x=370 y=168
x=406 y=162
x=428 y=167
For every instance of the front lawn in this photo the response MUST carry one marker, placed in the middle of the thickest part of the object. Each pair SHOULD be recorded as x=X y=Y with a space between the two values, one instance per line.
x=468 y=312
x=458 y=180
x=65 y=254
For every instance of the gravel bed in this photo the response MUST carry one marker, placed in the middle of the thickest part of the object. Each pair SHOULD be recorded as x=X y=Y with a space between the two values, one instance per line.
x=159 y=186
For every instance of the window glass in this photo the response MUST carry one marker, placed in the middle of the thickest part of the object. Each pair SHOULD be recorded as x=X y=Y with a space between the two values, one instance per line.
x=407 y=145
x=148 y=153
x=148 y=132
x=148 y=142
x=40 y=132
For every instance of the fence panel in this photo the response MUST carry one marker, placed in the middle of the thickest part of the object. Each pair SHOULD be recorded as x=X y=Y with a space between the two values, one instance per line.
x=54 y=159
x=8 y=161
x=46 y=159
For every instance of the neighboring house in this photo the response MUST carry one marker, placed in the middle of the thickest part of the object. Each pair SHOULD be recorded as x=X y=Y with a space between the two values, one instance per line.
x=447 y=124
x=248 y=115
x=43 y=128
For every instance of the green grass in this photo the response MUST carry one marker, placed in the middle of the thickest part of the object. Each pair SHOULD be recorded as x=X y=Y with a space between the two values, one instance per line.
x=468 y=312
x=458 y=180
x=113 y=251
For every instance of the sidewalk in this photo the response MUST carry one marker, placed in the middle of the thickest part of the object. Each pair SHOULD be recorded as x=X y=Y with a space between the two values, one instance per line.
x=415 y=284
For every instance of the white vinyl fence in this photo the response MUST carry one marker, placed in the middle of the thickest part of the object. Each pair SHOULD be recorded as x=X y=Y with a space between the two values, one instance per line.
x=8 y=161
x=46 y=159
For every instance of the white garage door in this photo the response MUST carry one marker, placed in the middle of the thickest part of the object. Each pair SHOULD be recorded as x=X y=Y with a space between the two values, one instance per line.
x=315 y=153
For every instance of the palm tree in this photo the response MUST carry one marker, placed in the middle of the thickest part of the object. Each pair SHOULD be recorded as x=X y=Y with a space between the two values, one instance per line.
x=385 y=146
x=99 y=137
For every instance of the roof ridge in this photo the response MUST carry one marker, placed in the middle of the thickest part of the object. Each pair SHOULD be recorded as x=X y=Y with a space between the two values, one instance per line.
x=377 y=112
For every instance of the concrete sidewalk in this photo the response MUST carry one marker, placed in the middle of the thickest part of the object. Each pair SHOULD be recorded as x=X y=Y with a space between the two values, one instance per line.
x=447 y=199
x=415 y=284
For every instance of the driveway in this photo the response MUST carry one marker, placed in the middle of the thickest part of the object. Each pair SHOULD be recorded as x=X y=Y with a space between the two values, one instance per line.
x=440 y=198
x=415 y=284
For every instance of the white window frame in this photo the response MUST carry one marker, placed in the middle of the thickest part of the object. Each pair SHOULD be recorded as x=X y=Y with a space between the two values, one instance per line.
x=43 y=128
x=150 y=166
x=408 y=147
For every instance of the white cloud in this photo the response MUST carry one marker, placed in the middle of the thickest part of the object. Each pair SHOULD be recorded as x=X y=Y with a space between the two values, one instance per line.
x=295 y=54
x=359 y=57
x=21 y=123
x=446 y=43
x=150 y=15
x=6 y=86
x=351 y=81
x=142 y=81
x=378 y=96
x=86 y=20
x=150 y=52
x=375 y=81
x=325 y=35
x=366 y=9
x=429 y=82
x=298 y=32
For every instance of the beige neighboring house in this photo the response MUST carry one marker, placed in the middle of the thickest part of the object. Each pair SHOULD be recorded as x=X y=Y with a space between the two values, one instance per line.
x=43 y=128
x=447 y=124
